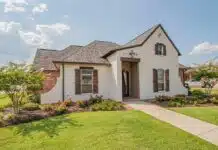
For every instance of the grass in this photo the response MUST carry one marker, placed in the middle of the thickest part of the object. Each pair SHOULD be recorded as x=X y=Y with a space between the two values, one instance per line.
x=4 y=100
x=129 y=130
x=214 y=91
x=208 y=114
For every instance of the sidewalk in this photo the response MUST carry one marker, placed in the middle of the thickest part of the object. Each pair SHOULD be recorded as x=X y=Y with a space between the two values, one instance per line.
x=204 y=130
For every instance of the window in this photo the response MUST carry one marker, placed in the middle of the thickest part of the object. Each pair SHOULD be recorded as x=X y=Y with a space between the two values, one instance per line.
x=160 y=79
x=86 y=80
x=160 y=49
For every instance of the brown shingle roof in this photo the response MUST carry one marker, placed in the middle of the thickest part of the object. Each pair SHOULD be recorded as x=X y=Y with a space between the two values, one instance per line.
x=182 y=66
x=91 y=53
x=43 y=59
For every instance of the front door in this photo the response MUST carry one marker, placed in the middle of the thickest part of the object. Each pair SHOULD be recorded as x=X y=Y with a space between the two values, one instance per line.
x=125 y=81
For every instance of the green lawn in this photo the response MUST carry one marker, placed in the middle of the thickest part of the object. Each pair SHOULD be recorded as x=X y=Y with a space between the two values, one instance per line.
x=208 y=114
x=4 y=99
x=129 y=130
x=214 y=91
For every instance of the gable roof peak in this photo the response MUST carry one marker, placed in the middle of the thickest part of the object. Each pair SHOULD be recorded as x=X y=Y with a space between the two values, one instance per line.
x=141 y=39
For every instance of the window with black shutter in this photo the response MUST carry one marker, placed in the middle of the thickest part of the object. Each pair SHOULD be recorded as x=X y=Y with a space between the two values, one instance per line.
x=161 y=80
x=86 y=80
x=160 y=49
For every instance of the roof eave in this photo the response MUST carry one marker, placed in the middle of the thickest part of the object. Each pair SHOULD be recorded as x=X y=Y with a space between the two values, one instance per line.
x=71 y=62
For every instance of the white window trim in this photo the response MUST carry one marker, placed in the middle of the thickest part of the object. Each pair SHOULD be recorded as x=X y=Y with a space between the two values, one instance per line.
x=81 y=84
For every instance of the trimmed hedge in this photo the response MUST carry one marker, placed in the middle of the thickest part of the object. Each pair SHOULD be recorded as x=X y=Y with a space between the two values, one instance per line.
x=107 y=105
x=30 y=106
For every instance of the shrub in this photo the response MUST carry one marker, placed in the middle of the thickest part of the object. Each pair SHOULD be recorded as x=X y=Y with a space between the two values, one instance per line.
x=10 y=117
x=163 y=98
x=82 y=104
x=2 y=122
x=198 y=93
x=180 y=95
x=107 y=105
x=61 y=109
x=191 y=99
x=95 y=99
x=31 y=106
x=2 y=107
x=214 y=101
x=34 y=98
x=174 y=104
x=47 y=107
x=68 y=103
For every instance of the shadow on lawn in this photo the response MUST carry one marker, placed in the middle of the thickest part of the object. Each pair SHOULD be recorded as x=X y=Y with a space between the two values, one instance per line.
x=51 y=126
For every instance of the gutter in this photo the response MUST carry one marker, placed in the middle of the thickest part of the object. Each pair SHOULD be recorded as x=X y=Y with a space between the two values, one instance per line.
x=63 y=84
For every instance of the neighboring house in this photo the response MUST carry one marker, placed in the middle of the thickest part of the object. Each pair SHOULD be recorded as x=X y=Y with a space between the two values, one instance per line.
x=143 y=68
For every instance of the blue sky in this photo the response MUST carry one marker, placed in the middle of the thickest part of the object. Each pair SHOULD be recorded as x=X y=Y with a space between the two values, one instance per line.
x=28 y=24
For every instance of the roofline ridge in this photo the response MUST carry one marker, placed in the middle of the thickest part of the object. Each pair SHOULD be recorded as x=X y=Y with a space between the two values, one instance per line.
x=44 y=49
x=154 y=26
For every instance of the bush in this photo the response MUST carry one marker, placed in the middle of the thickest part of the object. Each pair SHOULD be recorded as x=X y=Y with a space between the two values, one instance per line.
x=191 y=100
x=47 y=107
x=82 y=104
x=163 y=98
x=198 y=93
x=96 y=99
x=31 y=106
x=10 y=117
x=34 y=98
x=180 y=95
x=2 y=107
x=107 y=105
x=68 y=103
x=214 y=101
x=174 y=104
x=61 y=109
x=2 y=122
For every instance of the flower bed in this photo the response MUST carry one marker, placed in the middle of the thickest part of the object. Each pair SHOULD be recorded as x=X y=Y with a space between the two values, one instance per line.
x=31 y=111
x=197 y=98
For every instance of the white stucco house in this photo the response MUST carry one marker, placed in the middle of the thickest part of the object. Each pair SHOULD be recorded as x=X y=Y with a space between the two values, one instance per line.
x=143 y=68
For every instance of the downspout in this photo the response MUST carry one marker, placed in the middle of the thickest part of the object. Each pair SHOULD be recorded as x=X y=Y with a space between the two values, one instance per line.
x=63 y=89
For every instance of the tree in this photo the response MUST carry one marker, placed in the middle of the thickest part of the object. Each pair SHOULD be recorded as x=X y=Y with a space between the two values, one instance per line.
x=18 y=81
x=208 y=75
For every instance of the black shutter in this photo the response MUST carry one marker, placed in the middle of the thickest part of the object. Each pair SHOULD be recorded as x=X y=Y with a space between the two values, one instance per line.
x=167 y=80
x=156 y=49
x=77 y=82
x=155 y=84
x=164 y=50
x=95 y=81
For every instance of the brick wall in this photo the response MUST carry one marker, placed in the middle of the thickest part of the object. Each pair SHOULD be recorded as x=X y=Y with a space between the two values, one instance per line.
x=50 y=80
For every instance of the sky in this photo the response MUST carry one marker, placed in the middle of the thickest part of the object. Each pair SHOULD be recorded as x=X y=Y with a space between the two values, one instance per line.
x=26 y=25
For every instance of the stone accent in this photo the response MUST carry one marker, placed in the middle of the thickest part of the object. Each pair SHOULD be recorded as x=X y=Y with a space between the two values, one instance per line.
x=50 y=80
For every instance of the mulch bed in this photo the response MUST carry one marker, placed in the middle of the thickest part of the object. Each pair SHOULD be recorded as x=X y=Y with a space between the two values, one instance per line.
x=27 y=116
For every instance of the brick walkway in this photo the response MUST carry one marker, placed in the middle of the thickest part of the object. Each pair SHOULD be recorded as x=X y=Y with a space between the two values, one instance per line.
x=204 y=130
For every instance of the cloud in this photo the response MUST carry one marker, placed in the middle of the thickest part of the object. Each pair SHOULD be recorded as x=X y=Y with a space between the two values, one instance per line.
x=40 y=8
x=14 y=5
x=54 y=29
x=43 y=35
x=35 y=39
x=9 y=27
x=204 y=48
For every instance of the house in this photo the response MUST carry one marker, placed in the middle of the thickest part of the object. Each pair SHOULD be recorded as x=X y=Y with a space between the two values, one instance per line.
x=143 y=68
